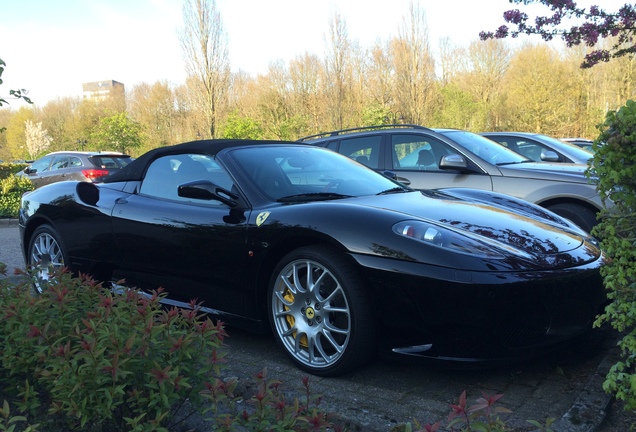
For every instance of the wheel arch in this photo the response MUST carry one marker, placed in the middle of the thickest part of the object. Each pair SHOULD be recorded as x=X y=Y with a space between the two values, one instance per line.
x=569 y=200
x=30 y=227
x=277 y=253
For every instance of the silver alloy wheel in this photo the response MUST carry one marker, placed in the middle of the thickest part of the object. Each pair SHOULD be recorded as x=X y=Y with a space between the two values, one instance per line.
x=311 y=313
x=45 y=255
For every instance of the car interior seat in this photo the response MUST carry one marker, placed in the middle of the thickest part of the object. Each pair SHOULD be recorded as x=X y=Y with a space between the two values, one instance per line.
x=272 y=180
x=190 y=170
x=364 y=160
x=425 y=158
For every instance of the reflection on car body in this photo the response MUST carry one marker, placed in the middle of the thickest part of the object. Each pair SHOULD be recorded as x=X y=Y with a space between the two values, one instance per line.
x=332 y=257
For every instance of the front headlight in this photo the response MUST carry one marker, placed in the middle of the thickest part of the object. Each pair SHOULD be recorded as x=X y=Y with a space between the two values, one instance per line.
x=444 y=238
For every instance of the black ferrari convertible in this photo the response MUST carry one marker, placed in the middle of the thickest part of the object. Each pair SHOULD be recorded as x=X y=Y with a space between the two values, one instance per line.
x=337 y=259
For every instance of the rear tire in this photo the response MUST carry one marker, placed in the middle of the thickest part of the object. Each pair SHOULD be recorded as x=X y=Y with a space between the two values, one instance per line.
x=582 y=216
x=46 y=254
x=319 y=312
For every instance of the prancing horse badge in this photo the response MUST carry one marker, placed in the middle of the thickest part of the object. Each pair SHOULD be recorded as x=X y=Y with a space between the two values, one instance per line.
x=261 y=218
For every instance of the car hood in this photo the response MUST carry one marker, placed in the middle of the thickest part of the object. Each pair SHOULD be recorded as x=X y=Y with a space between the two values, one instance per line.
x=568 y=172
x=510 y=232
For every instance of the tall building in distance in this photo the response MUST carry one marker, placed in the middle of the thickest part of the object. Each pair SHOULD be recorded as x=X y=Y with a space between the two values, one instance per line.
x=101 y=90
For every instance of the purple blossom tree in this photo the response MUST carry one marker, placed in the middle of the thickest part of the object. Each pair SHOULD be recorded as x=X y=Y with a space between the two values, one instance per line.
x=596 y=24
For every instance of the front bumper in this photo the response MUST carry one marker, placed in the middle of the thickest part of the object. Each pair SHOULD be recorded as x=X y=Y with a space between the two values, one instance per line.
x=453 y=314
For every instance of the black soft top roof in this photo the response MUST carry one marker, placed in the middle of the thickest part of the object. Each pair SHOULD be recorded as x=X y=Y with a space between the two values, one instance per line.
x=137 y=168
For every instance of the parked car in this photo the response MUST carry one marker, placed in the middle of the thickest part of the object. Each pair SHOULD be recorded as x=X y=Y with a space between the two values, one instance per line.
x=74 y=165
x=335 y=258
x=541 y=148
x=426 y=158
x=585 y=144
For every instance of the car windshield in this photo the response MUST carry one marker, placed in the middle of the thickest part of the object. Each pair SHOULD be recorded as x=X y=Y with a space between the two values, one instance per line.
x=571 y=148
x=299 y=173
x=486 y=149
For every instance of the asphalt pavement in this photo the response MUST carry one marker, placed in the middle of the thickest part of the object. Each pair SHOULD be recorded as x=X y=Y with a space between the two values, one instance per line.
x=565 y=386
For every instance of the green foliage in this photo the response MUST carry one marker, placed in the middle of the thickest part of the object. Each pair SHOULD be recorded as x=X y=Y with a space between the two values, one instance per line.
x=269 y=409
x=81 y=356
x=102 y=358
x=8 y=423
x=118 y=132
x=8 y=169
x=614 y=169
x=460 y=111
x=11 y=190
x=482 y=416
x=239 y=127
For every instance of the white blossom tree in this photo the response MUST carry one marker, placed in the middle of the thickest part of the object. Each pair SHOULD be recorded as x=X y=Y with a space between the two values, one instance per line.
x=37 y=139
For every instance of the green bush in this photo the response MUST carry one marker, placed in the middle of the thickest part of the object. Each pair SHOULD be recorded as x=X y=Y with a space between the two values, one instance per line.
x=79 y=356
x=115 y=360
x=614 y=167
x=9 y=169
x=11 y=190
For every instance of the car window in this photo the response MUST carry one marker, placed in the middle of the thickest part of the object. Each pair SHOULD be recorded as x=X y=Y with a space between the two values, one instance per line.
x=528 y=148
x=365 y=150
x=74 y=161
x=278 y=172
x=417 y=152
x=164 y=175
x=60 y=162
x=485 y=148
x=41 y=165
x=111 y=162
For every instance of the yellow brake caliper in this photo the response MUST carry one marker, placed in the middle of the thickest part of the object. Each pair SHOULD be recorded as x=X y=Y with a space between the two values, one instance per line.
x=291 y=320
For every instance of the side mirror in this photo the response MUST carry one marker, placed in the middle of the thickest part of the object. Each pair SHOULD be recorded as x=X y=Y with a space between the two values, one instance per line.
x=29 y=170
x=389 y=174
x=454 y=162
x=206 y=190
x=549 y=156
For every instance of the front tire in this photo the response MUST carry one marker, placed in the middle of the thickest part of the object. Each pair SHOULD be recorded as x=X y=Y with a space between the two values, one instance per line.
x=45 y=254
x=320 y=313
x=583 y=217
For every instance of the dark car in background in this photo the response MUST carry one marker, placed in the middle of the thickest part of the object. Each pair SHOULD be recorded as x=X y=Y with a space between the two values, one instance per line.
x=335 y=259
x=74 y=165
x=541 y=148
x=425 y=158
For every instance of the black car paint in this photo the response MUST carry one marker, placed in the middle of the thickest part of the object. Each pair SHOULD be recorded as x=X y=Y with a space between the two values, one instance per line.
x=415 y=290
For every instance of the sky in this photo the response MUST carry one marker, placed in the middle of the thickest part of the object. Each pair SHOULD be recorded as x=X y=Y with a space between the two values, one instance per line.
x=51 y=47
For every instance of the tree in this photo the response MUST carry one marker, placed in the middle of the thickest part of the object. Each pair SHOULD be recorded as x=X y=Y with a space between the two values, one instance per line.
x=414 y=69
x=38 y=140
x=117 y=132
x=597 y=24
x=239 y=127
x=16 y=138
x=204 y=44
x=14 y=94
x=154 y=107
x=540 y=91
x=614 y=170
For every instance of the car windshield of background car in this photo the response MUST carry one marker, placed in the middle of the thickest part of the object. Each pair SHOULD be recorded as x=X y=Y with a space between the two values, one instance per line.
x=280 y=171
x=486 y=149
x=573 y=149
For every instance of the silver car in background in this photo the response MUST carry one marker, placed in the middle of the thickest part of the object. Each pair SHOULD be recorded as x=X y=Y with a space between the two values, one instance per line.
x=541 y=148
x=424 y=158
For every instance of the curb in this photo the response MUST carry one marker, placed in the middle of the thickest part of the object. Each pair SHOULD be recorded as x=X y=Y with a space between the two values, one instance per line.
x=592 y=404
x=8 y=222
